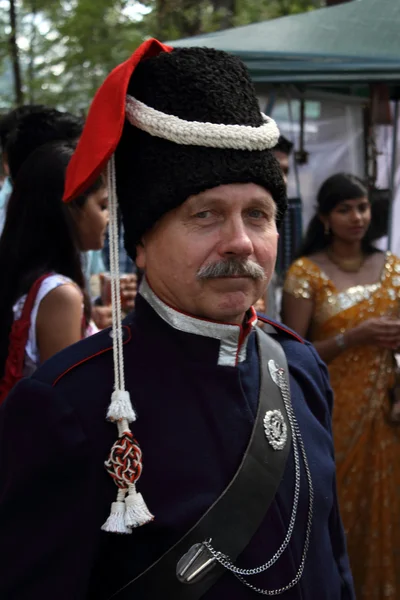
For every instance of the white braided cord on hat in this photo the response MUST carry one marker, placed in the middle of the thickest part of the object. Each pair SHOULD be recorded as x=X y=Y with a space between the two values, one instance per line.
x=196 y=133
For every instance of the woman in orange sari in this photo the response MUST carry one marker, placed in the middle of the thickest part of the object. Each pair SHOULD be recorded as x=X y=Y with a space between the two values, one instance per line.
x=344 y=295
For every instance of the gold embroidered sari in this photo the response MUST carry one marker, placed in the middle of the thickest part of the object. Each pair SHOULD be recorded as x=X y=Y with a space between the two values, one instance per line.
x=367 y=446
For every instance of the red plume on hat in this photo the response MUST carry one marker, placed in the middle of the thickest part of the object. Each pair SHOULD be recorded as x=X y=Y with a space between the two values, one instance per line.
x=104 y=124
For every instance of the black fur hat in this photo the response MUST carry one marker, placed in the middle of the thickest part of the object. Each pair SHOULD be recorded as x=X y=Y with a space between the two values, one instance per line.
x=155 y=175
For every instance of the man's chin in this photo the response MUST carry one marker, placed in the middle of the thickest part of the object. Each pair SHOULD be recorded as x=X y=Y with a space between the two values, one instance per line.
x=232 y=306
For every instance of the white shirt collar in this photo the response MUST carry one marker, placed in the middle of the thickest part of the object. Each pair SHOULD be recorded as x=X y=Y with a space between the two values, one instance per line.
x=233 y=338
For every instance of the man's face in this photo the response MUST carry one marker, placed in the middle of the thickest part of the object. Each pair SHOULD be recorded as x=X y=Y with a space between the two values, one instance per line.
x=213 y=256
x=283 y=160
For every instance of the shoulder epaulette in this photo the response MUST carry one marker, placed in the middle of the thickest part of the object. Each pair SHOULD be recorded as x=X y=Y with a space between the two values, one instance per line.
x=281 y=329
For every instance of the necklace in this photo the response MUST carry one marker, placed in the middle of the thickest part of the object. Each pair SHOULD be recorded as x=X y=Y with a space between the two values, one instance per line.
x=348 y=265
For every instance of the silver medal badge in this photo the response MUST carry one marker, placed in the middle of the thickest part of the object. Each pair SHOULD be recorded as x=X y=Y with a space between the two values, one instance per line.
x=275 y=429
x=274 y=422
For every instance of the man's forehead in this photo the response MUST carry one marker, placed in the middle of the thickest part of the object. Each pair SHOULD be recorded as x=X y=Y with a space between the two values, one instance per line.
x=232 y=192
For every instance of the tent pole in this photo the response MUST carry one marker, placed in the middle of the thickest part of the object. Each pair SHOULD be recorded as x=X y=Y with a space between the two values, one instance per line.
x=291 y=119
x=393 y=173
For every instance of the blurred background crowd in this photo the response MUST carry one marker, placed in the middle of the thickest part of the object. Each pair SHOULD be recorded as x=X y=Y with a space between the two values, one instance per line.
x=337 y=278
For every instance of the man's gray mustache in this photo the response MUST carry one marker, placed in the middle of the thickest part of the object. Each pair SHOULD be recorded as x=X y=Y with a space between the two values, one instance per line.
x=231 y=268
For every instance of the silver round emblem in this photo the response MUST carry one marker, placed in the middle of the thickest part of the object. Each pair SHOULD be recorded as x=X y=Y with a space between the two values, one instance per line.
x=275 y=429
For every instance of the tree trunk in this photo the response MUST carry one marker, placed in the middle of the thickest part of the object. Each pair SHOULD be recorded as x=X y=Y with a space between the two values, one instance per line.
x=32 y=53
x=160 y=18
x=14 y=53
x=228 y=10
x=189 y=18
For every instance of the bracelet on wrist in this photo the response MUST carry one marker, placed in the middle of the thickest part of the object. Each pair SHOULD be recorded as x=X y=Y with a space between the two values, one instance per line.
x=340 y=341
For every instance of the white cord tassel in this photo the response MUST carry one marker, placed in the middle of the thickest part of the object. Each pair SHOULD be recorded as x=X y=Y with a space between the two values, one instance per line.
x=136 y=513
x=125 y=461
x=116 y=521
x=121 y=407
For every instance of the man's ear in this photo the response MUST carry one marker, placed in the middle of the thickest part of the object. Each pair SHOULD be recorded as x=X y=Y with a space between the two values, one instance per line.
x=141 y=255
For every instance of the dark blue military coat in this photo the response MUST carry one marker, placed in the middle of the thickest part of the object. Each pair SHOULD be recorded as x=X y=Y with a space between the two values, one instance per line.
x=194 y=385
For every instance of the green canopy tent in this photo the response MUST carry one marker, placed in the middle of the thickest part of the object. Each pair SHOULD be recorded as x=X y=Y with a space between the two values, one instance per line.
x=341 y=49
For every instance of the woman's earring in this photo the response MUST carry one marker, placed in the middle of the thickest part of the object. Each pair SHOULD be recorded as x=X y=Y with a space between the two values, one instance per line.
x=327 y=229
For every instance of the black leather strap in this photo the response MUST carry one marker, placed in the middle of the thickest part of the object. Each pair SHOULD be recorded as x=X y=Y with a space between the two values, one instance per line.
x=236 y=515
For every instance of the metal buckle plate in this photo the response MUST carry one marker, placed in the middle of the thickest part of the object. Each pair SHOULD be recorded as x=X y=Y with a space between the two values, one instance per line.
x=194 y=564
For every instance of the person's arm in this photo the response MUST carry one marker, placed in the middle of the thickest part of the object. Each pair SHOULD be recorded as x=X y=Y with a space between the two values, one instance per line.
x=298 y=308
x=59 y=320
x=331 y=348
x=297 y=314
x=381 y=332
x=49 y=519
x=298 y=297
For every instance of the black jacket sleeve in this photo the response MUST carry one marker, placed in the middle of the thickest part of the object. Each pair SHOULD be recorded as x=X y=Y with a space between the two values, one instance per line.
x=48 y=529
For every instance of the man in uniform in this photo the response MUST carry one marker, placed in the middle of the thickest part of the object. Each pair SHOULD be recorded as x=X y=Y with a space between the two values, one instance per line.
x=237 y=494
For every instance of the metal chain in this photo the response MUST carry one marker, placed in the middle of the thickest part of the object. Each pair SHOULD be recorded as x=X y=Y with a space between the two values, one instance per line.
x=285 y=543
x=226 y=562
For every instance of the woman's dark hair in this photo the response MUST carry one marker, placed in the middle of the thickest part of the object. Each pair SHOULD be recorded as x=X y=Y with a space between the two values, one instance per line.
x=35 y=126
x=335 y=189
x=39 y=234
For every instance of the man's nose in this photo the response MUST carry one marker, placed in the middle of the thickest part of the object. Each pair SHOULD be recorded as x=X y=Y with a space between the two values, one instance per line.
x=235 y=239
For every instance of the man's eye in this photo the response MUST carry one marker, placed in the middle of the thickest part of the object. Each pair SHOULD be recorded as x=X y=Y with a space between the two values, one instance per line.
x=256 y=214
x=204 y=214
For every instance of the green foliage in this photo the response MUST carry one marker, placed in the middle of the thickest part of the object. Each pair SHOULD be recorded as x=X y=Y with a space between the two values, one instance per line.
x=251 y=11
x=172 y=19
x=84 y=42
x=67 y=47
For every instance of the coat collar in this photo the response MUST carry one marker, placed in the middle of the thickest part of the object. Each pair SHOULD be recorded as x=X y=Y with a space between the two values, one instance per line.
x=232 y=339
